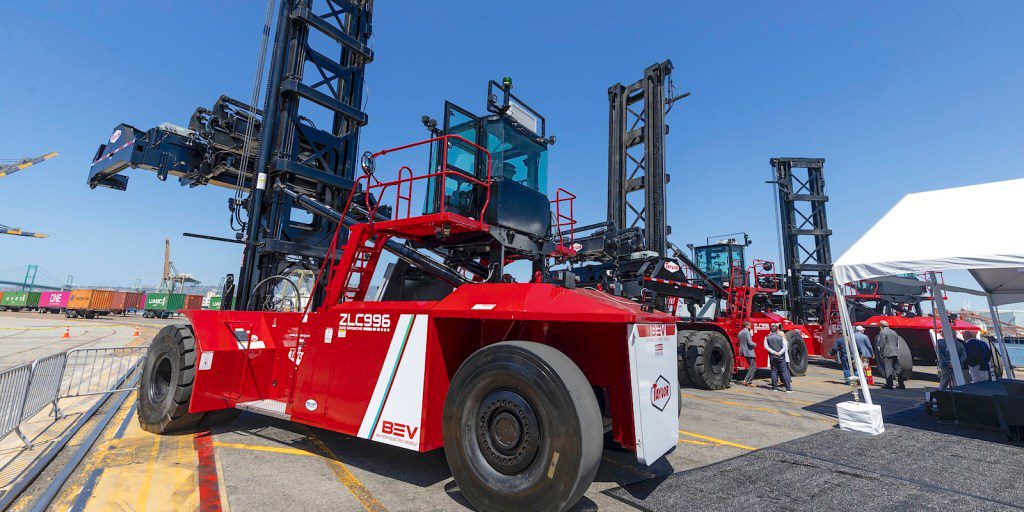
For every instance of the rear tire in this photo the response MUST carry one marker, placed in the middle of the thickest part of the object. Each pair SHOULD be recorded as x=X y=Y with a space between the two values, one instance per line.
x=797 y=354
x=166 y=385
x=906 y=359
x=709 y=360
x=522 y=429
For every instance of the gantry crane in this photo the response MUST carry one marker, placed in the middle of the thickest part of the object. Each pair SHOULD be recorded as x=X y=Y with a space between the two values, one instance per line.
x=6 y=169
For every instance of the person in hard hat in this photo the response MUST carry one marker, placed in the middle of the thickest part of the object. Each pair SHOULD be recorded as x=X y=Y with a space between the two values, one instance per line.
x=888 y=350
x=863 y=345
x=778 y=355
x=746 y=338
x=979 y=359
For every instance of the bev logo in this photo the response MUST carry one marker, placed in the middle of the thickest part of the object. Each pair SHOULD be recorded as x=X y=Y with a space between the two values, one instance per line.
x=401 y=430
x=660 y=393
x=375 y=322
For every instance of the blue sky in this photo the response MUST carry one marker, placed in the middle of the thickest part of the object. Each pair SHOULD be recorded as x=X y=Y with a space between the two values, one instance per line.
x=896 y=96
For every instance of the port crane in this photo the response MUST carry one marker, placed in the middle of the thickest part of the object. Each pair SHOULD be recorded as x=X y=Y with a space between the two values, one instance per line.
x=11 y=168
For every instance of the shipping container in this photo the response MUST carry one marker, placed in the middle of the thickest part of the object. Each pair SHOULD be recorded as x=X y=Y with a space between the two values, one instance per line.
x=89 y=303
x=33 y=300
x=122 y=302
x=193 y=302
x=14 y=301
x=163 y=305
x=53 y=302
x=215 y=303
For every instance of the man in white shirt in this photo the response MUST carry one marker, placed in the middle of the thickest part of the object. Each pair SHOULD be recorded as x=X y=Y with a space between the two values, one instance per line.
x=778 y=354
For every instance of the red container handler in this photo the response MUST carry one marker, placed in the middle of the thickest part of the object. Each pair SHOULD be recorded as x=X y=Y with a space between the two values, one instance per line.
x=53 y=302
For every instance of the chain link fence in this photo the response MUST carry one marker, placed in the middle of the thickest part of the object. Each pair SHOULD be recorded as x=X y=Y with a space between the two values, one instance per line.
x=28 y=389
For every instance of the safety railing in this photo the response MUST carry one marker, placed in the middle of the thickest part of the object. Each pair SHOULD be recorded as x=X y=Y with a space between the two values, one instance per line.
x=14 y=383
x=27 y=389
x=403 y=185
x=95 y=371
x=563 y=216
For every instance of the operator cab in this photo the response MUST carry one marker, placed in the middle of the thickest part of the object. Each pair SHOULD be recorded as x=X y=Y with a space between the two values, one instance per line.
x=515 y=137
x=718 y=259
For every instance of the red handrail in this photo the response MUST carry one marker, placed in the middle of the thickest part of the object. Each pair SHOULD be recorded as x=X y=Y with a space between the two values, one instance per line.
x=561 y=219
x=372 y=183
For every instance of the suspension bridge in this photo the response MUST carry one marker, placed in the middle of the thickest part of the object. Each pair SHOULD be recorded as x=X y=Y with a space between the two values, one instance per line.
x=31 y=277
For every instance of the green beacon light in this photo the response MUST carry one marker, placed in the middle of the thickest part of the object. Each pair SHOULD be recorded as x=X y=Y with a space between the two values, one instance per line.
x=507 y=82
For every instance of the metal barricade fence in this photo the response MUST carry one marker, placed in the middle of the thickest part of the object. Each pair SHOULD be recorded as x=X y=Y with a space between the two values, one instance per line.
x=95 y=371
x=27 y=389
x=46 y=376
x=14 y=383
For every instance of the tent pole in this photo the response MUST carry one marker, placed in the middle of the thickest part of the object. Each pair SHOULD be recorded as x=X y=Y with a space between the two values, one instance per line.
x=851 y=346
x=947 y=330
x=1007 y=365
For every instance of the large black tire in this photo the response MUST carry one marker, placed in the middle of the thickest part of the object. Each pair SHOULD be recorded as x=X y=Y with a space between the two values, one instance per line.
x=905 y=357
x=709 y=360
x=522 y=429
x=166 y=385
x=797 y=354
x=682 y=341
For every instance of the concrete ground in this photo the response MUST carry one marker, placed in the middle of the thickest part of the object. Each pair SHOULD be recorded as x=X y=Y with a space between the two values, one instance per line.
x=259 y=463
x=25 y=337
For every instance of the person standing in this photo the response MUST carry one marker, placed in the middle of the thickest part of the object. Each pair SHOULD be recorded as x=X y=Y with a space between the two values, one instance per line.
x=778 y=355
x=979 y=359
x=746 y=338
x=888 y=350
x=839 y=349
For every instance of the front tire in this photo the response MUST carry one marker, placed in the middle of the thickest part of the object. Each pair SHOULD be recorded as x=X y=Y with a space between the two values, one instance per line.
x=709 y=360
x=166 y=385
x=522 y=429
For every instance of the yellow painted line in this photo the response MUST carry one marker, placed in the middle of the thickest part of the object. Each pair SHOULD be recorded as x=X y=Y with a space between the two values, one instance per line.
x=698 y=443
x=361 y=493
x=715 y=440
x=757 y=408
x=258 y=448
x=147 y=480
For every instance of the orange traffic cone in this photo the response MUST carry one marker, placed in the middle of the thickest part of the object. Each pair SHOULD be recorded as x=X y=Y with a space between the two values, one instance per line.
x=867 y=374
x=136 y=335
x=67 y=333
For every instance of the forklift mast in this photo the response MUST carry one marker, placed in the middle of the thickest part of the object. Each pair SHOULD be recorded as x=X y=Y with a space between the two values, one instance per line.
x=807 y=253
x=305 y=140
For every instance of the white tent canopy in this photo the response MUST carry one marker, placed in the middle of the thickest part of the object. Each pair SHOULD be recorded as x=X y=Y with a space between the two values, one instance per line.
x=964 y=228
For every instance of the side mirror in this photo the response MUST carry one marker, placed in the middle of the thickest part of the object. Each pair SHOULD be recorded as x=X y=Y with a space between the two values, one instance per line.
x=767 y=266
x=367 y=163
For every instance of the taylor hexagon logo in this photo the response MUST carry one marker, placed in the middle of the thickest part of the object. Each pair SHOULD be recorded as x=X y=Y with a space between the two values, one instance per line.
x=661 y=390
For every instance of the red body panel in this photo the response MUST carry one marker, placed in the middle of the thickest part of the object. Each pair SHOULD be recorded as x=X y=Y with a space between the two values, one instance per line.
x=916 y=331
x=328 y=371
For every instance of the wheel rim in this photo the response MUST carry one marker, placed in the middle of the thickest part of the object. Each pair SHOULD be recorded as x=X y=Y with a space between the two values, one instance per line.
x=796 y=355
x=717 y=360
x=508 y=433
x=160 y=382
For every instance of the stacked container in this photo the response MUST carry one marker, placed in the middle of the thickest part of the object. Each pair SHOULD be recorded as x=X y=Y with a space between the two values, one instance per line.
x=15 y=301
x=89 y=303
x=215 y=303
x=193 y=302
x=163 y=305
x=53 y=302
